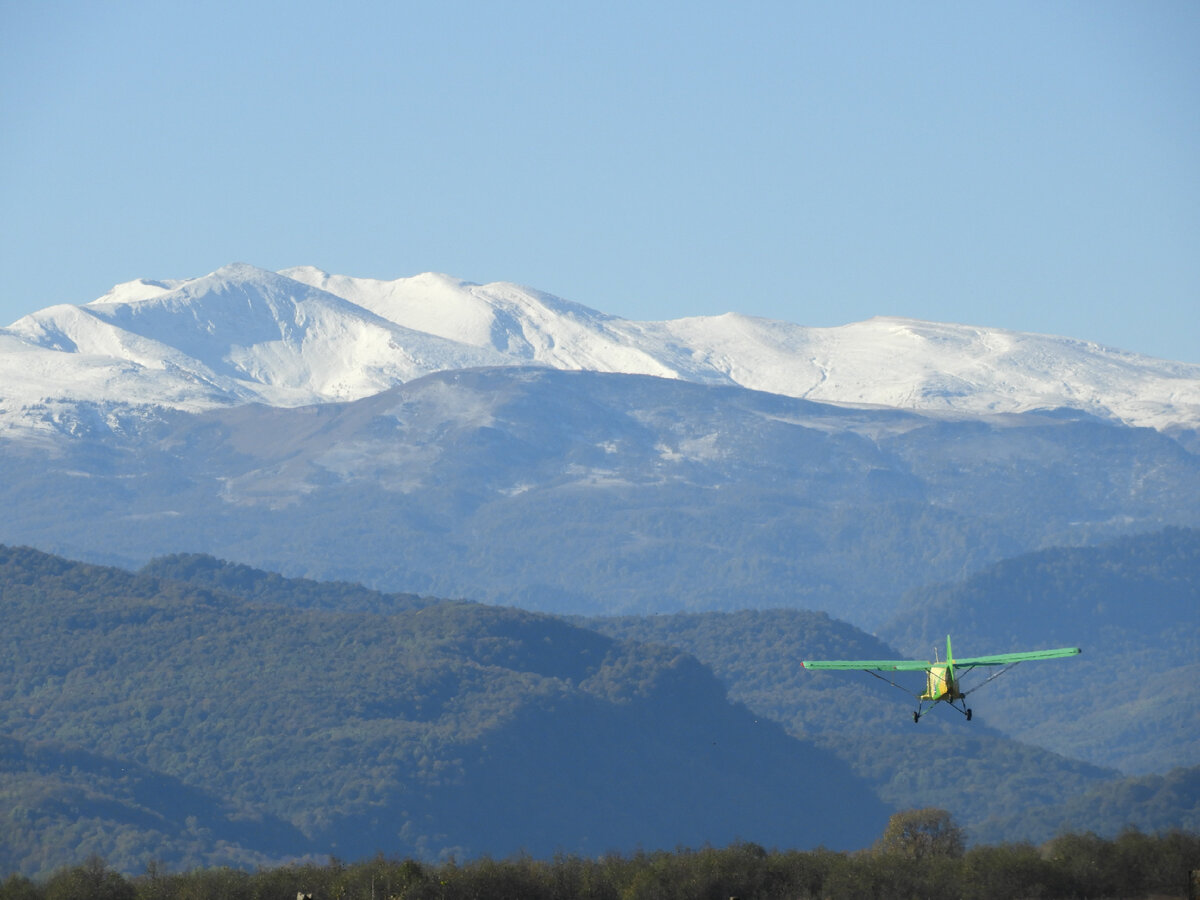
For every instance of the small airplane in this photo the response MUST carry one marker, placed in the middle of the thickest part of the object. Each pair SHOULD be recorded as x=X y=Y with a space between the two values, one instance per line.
x=942 y=678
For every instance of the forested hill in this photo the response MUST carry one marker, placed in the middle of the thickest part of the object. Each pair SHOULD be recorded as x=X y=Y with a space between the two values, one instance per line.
x=441 y=727
x=202 y=712
x=981 y=775
x=1129 y=591
x=1047 y=740
x=255 y=585
x=1130 y=700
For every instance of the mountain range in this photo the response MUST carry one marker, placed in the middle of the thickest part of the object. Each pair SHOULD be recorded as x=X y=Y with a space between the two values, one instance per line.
x=302 y=336
x=495 y=443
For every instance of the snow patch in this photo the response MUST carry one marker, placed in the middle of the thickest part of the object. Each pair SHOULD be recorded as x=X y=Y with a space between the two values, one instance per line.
x=302 y=336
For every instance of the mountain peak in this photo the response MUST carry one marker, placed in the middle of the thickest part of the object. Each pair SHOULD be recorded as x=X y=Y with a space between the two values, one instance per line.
x=135 y=291
x=303 y=335
x=240 y=276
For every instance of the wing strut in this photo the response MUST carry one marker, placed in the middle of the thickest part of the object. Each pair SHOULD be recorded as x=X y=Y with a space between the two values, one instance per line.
x=991 y=677
x=893 y=684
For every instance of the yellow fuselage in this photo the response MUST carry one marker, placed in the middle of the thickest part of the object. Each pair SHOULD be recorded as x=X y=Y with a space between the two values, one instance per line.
x=940 y=684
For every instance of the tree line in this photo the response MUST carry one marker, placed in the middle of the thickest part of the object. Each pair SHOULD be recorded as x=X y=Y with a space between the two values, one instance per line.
x=920 y=854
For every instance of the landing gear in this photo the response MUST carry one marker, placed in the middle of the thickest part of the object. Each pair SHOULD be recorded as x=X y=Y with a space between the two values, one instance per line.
x=968 y=715
x=916 y=717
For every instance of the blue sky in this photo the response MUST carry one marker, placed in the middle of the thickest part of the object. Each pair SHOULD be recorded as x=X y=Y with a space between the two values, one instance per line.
x=1033 y=166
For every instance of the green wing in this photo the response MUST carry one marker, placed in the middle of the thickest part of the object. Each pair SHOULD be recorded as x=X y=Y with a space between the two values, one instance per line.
x=915 y=665
x=1005 y=659
x=883 y=665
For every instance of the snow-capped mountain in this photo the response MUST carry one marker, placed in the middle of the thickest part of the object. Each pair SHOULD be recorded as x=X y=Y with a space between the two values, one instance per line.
x=302 y=336
x=493 y=442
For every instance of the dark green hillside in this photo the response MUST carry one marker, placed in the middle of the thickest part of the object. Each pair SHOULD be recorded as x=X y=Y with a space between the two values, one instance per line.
x=991 y=779
x=268 y=587
x=1144 y=802
x=863 y=720
x=757 y=653
x=1131 y=700
x=999 y=788
x=449 y=727
x=63 y=801
x=1129 y=591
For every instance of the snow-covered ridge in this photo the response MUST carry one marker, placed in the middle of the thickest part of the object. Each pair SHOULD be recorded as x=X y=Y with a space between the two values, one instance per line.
x=300 y=336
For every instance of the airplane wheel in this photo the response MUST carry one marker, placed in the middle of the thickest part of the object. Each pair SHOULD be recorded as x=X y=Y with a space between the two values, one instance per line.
x=968 y=715
x=916 y=717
